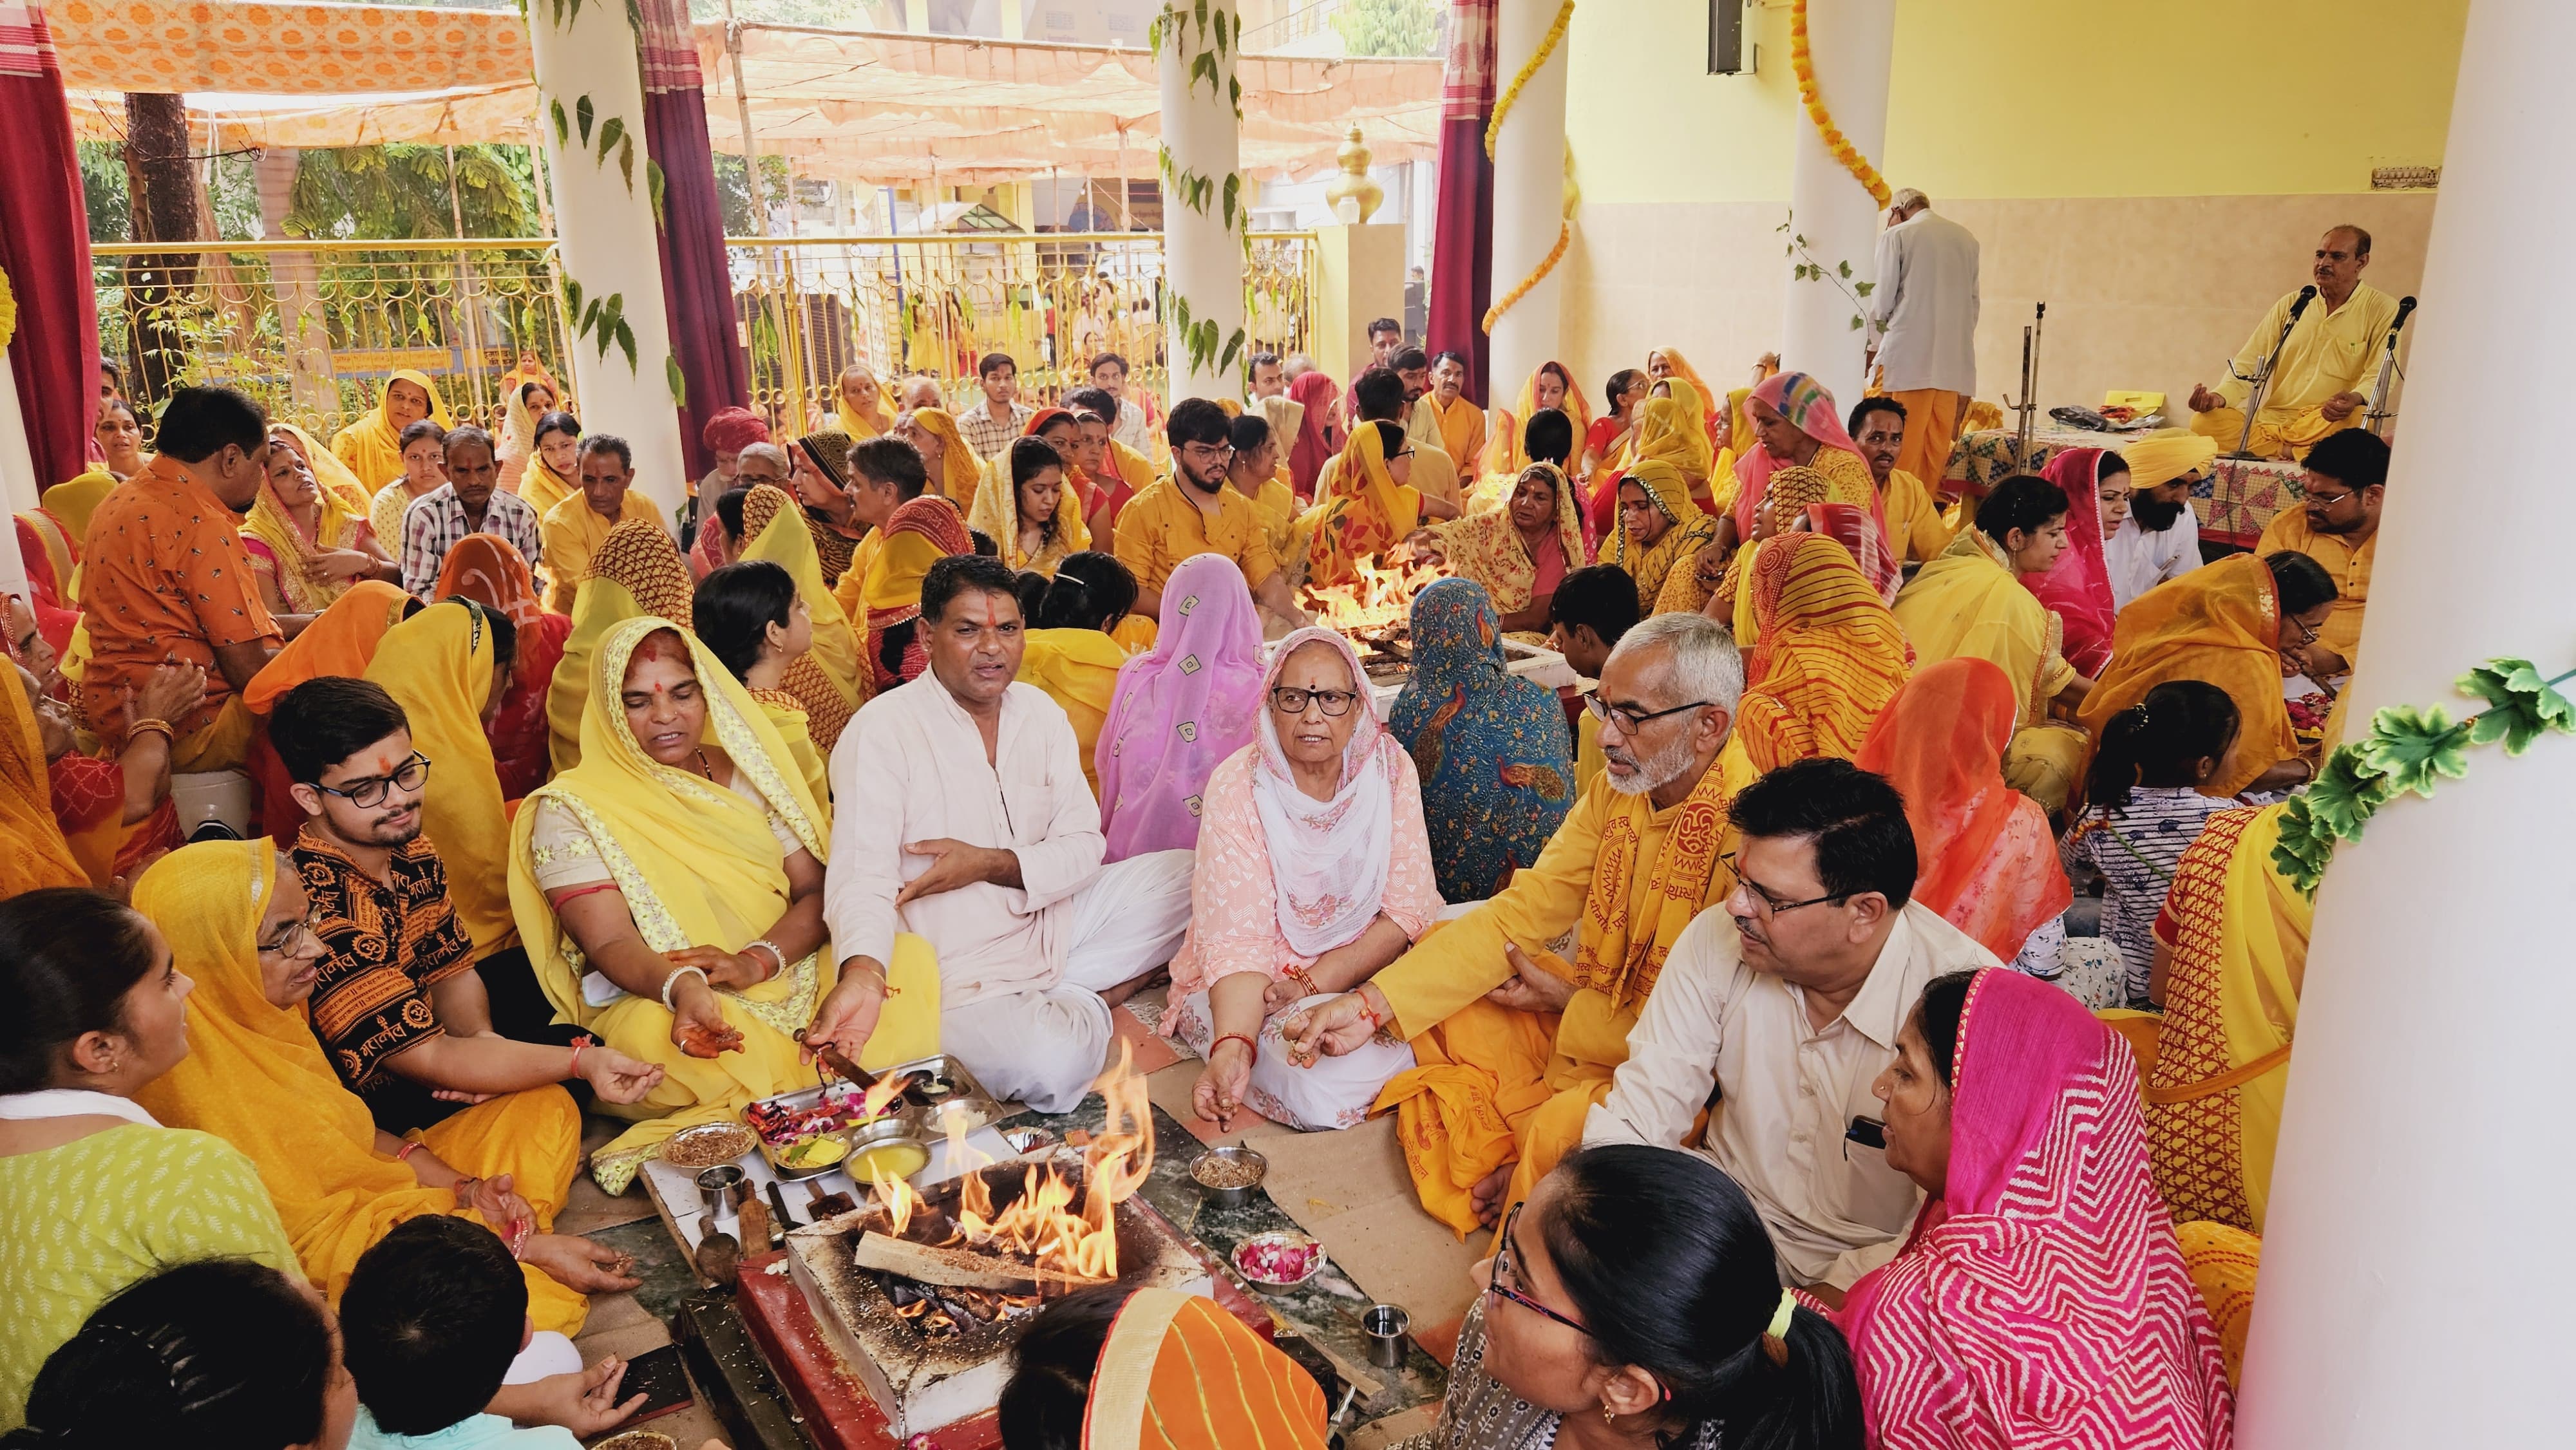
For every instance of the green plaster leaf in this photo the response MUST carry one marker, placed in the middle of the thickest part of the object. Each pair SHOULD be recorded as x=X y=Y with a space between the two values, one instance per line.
x=1855 y=323
x=590 y=318
x=1233 y=189
x=654 y=184
x=1204 y=65
x=563 y=125
x=626 y=161
x=572 y=299
x=679 y=384
x=611 y=131
x=2346 y=793
x=1844 y=268
x=2303 y=852
x=1233 y=347
x=1863 y=289
x=1220 y=32
x=626 y=342
x=584 y=113
x=2521 y=706
x=2413 y=746
x=1200 y=11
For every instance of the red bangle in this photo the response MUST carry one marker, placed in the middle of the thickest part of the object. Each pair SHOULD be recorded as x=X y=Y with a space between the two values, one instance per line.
x=1248 y=1044
x=409 y=1147
x=578 y=1043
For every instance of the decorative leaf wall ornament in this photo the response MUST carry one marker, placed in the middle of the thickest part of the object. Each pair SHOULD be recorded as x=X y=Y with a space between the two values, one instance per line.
x=583 y=113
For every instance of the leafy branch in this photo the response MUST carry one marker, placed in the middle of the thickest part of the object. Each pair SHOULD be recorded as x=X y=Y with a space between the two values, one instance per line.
x=1807 y=268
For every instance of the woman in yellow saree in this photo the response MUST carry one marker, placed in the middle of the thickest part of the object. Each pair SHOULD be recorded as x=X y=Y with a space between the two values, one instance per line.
x=1521 y=552
x=670 y=889
x=372 y=446
x=1371 y=509
x=1024 y=470
x=32 y=850
x=1659 y=536
x=1549 y=386
x=955 y=474
x=637 y=571
x=552 y=473
x=827 y=679
x=1822 y=653
x=445 y=668
x=1672 y=425
x=256 y=1077
x=333 y=474
x=307 y=541
x=858 y=403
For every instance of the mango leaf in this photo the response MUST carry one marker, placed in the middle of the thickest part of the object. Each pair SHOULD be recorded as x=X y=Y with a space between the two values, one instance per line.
x=572 y=297
x=609 y=133
x=589 y=319
x=2346 y=793
x=654 y=184
x=2413 y=746
x=1233 y=346
x=2521 y=706
x=563 y=126
x=583 y=112
x=2303 y=852
x=626 y=161
x=626 y=341
x=679 y=384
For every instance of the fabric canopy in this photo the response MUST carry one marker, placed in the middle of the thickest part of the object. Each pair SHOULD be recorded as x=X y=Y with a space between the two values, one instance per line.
x=847 y=103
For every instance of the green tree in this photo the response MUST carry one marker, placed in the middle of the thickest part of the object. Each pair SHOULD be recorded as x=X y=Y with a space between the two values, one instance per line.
x=400 y=191
x=1389 y=27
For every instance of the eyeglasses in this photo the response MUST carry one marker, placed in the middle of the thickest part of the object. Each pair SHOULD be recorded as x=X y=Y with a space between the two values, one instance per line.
x=1503 y=1270
x=283 y=939
x=1629 y=719
x=370 y=793
x=2326 y=500
x=1289 y=700
x=2307 y=632
x=1763 y=899
x=1206 y=452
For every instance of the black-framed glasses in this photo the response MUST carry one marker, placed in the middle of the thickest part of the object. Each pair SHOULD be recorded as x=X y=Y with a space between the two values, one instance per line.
x=2307 y=632
x=2326 y=500
x=282 y=938
x=1627 y=719
x=1503 y=1270
x=370 y=793
x=1770 y=905
x=1206 y=452
x=1289 y=700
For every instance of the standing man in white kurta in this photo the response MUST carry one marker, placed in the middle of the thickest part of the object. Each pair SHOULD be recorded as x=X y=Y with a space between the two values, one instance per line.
x=1923 y=314
x=960 y=815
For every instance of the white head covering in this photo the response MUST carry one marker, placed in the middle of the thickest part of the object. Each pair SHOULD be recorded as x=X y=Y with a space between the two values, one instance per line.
x=1329 y=858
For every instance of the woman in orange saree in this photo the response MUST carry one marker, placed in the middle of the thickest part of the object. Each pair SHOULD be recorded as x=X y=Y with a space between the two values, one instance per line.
x=1822 y=653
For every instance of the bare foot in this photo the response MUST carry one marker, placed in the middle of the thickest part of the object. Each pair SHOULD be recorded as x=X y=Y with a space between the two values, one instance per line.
x=1487 y=1196
x=1117 y=995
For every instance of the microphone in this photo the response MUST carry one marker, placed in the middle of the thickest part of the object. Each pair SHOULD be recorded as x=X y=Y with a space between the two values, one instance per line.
x=2404 y=306
x=2307 y=295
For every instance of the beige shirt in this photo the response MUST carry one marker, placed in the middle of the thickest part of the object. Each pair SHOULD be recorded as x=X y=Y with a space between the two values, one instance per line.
x=1788 y=1091
x=910 y=767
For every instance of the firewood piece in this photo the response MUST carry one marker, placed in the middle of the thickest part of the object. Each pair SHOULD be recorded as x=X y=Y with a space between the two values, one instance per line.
x=957 y=1268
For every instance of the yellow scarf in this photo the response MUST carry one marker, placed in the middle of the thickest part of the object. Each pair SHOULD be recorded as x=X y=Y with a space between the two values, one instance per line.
x=438 y=666
x=355 y=493
x=1624 y=939
x=960 y=472
x=997 y=514
x=636 y=572
x=1488 y=547
x=827 y=680
x=861 y=426
x=1367 y=514
x=335 y=526
x=1690 y=531
x=372 y=446
x=75 y=499
x=1674 y=430
x=542 y=487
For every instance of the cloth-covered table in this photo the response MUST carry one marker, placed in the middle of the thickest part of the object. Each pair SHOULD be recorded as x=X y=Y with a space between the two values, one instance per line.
x=2233 y=504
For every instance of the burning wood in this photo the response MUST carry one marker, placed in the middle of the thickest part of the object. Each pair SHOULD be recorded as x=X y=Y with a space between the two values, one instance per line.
x=1380 y=596
x=958 y=1268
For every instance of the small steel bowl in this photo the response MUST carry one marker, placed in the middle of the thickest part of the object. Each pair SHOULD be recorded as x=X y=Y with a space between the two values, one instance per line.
x=1284 y=1239
x=1028 y=1140
x=708 y=1144
x=1230 y=1196
x=879 y=1134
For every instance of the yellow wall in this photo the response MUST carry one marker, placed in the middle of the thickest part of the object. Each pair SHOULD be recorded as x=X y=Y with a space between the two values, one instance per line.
x=2032 y=98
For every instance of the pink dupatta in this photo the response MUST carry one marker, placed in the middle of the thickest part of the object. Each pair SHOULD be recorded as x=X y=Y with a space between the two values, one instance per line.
x=1180 y=711
x=2042 y=1299
x=2078 y=585
x=1809 y=407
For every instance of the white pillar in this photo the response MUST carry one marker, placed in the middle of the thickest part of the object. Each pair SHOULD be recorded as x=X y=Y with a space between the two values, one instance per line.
x=2416 y=1268
x=1206 y=218
x=1529 y=195
x=1851 y=41
x=609 y=247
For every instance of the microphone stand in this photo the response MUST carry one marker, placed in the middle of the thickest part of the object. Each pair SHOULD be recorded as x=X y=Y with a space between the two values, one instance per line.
x=2028 y=407
x=2376 y=420
x=2262 y=379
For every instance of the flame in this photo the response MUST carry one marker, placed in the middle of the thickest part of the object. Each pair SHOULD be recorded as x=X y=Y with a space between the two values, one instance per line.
x=1377 y=598
x=883 y=1091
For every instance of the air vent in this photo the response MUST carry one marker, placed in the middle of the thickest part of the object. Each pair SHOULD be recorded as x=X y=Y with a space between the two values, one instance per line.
x=2405 y=178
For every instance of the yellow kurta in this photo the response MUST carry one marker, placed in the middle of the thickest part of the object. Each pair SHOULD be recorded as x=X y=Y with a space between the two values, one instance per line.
x=572 y=531
x=1462 y=432
x=385 y=516
x=2346 y=561
x=1078 y=668
x=2327 y=353
x=1497 y=1086
x=1161 y=526
x=1914 y=527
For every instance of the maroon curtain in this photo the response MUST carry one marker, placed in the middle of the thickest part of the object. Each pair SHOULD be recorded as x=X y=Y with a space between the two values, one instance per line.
x=697 y=289
x=44 y=247
x=1462 y=238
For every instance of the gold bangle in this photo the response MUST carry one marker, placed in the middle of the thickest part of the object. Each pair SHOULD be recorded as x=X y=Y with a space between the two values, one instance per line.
x=149 y=726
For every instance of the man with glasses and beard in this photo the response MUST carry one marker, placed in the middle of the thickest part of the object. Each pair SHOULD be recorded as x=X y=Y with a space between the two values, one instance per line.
x=1785 y=1005
x=1505 y=1031
x=2160 y=539
x=1191 y=511
x=2338 y=526
x=399 y=1009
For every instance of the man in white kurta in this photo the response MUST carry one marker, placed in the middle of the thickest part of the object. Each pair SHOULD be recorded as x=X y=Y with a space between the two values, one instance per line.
x=961 y=816
x=2159 y=540
x=1924 y=315
x=1787 y=1002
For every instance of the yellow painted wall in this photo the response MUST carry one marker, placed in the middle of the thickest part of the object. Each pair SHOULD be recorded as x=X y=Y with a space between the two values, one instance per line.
x=2032 y=98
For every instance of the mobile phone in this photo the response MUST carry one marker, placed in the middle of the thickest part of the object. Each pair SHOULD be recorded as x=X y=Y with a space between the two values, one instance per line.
x=660 y=1379
x=1868 y=1132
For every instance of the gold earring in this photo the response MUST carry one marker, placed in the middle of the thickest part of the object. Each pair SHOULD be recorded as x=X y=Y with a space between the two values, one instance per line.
x=1609 y=1416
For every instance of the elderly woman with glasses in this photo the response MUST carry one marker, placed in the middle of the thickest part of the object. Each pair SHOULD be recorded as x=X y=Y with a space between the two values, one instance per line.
x=1314 y=870
x=1633 y=1301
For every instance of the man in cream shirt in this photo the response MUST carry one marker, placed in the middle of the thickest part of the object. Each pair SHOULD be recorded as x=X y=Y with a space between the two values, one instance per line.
x=1787 y=1003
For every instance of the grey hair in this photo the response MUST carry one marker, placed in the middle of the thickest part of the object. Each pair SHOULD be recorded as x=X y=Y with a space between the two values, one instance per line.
x=1909 y=197
x=1296 y=365
x=770 y=451
x=1706 y=667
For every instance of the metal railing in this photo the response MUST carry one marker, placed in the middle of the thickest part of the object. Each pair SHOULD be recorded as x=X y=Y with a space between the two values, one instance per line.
x=312 y=328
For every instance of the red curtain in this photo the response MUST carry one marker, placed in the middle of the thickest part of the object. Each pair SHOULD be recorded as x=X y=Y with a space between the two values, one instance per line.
x=697 y=289
x=1462 y=237
x=44 y=247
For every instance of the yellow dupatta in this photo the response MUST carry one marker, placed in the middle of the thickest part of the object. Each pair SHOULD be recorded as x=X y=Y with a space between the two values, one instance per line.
x=2221 y=1071
x=827 y=680
x=862 y=426
x=1367 y=514
x=1969 y=602
x=372 y=446
x=329 y=470
x=335 y=526
x=1078 y=668
x=56 y=537
x=1674 y=430
x=637 y=571
x=1691 y=530
x=32 y=850
x=961 y=473
x=1822 y=653
x=542 y=487
x=2220 y=623
x=996 y=513
x=75 y=499
x=438 y=666
x=1488 y=547
x=698 y=866
x=1505 y=453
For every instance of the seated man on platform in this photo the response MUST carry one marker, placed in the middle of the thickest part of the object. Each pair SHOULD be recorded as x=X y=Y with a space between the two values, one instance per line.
x=167 y=580
x=1785 y=1005
x=1593 y=608
x=961 y=820
x=1192 y=511
x=1914 y=527
x=1516 y=1045
x=2339 y=528
x=2319 y=383
x=2160 y=539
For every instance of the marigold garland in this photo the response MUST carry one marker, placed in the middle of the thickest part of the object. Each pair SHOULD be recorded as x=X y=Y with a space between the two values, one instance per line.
x=1836 y=143
x=8 y=311
x=1493 y=127
x=1547 y=264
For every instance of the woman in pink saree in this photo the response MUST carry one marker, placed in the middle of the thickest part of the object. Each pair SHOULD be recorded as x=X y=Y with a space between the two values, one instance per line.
x=1796 y=425
x=1180 y=710
x=2042 y=1299
x=2078 y=585
x=1315 y=445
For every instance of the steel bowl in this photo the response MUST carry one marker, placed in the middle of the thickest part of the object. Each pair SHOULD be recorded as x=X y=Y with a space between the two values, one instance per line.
x=1230 y=1196
x=1284 y=1239
x=883 y=1132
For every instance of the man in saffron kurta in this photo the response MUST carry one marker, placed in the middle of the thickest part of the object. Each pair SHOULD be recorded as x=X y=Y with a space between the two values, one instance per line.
x=2325 y=366
x=1462 y=423
x=1516 y=1046
x=2339 y=528
x=574 y=529
x=1915 y=532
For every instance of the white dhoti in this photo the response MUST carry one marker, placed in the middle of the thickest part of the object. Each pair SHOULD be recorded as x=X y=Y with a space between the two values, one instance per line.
x=1334 y=1093
x=1044 y=1047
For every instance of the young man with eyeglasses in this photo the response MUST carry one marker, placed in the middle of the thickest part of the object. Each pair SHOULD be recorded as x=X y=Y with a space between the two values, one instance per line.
x=2338 y=526
x=1786 y=1004
x=1192 y=511
x=400 y=1010
x=1644 y=846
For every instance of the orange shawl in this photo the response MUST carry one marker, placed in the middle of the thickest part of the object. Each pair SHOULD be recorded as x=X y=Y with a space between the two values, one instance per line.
x=1823 y=655
x=1180 y=1373
x=32 y=850
x=2220 y=623
x=341 y=640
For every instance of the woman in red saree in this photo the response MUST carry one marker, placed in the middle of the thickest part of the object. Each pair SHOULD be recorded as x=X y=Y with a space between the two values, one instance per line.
x=1314 y=446
x=2078 y=586
x=2042 y=1299
x=489 y=571
x=1796 y=425
x=1988 y=859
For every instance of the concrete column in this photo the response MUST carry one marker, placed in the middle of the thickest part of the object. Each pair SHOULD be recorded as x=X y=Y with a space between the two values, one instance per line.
x=1529 y=192
x=1206 y=204
x=19 y=484
x=609 y=247
x=1851 y=41
x=2415 y=1271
